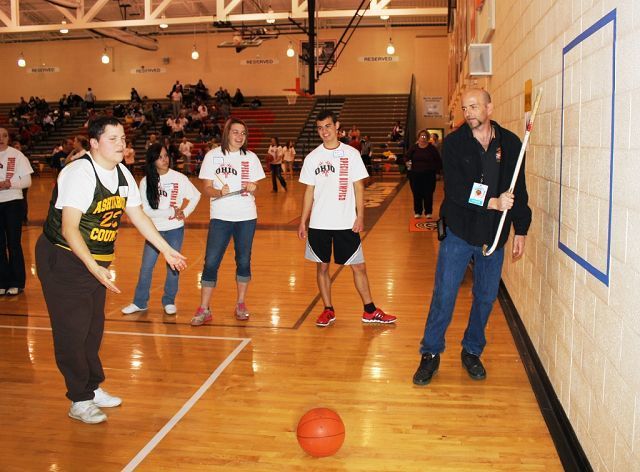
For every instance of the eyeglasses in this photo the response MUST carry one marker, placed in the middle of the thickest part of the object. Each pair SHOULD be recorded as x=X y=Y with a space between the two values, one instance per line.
x=424 y=136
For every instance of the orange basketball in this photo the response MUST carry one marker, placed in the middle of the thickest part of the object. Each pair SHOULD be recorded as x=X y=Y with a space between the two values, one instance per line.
x=320 y=432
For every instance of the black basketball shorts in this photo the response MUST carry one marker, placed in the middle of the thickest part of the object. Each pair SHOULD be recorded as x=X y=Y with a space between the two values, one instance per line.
x=347 y=247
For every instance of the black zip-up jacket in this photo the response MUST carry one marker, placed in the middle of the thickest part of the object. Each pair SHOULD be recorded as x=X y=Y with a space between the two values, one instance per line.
x=462 y=166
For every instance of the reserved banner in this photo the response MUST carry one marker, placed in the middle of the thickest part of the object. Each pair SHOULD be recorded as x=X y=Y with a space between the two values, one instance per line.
x=42 y=70
x=259 y=62
x=379 y=58
x=148 y=70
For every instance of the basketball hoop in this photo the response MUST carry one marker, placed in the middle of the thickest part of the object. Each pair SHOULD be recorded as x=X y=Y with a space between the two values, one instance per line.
x=292 y=97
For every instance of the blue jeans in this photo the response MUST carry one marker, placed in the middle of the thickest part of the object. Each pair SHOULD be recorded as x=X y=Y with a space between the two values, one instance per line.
x=453 y=257
x=220 y=232
x=149 y=257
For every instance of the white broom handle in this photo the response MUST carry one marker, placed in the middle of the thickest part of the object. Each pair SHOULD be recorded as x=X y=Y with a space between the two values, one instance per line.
x=523 y=148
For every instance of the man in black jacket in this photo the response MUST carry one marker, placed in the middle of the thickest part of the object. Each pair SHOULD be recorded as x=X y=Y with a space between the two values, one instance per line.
x=479 y=159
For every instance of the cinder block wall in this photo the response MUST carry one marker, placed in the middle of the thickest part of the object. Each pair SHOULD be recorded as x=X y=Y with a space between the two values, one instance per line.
x=586 y=332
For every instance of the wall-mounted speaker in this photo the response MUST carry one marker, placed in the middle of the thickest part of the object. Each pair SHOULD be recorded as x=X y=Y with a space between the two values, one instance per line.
x=480 y=59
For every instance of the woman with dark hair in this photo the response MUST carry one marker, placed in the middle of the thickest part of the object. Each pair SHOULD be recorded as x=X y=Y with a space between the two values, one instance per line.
x=168 y=198
x=232 y=170
x=423 y=161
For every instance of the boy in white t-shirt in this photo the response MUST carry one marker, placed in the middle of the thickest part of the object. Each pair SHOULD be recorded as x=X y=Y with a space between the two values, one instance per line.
x=334 y=174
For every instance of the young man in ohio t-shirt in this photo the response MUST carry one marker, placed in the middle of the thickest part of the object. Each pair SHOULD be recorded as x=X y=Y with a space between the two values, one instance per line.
x=334 y=174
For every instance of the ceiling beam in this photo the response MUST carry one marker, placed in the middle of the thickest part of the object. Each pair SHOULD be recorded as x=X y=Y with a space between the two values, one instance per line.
x=86 y=22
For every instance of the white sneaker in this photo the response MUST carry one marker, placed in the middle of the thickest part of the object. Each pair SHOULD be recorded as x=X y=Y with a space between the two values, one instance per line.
x=103 y=399
x=87 y=412
x=13 y=291
x=429 y=215
x=170 y=309
x=133 y=308
x=416 y=215
x=3 y=291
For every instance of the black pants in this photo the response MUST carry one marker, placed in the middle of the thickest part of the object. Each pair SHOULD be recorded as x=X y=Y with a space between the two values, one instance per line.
x=12 y=272
x=276 y=173
x=423 y=184
x=75 y=300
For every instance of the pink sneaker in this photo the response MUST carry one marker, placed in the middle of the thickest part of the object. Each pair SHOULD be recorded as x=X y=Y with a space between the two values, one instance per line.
x=201 y=317
x=378 y=316
x=242 y=312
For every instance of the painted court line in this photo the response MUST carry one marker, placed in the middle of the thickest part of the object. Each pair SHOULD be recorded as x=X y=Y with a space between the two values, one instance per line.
x=159 y=436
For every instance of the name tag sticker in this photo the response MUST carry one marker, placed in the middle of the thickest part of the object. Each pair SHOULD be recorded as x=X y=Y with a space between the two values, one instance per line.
x=338 y=153
x=478 y=194
x=218 y=160
x=123 y=191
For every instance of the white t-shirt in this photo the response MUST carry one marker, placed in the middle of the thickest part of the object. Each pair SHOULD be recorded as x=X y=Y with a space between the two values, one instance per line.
x=174 y=188
x=235 y=170
x=15 y=167
x=289 y=154
x=332 y=172
x=276 y=153
x=77 y=185
x=185 y=148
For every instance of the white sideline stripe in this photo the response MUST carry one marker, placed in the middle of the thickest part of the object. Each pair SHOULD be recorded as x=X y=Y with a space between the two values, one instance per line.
x=146 y=450
x=159 y=436
x=134 y=333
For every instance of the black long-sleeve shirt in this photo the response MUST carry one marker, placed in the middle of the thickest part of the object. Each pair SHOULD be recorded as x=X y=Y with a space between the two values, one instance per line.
x=464 y=162
x=425 y=159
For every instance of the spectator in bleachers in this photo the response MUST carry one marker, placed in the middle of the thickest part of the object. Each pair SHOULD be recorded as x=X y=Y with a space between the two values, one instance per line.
x=129 y=156
x=61 y=155
x=172 y=151
x=139 y=120
x=176 y=101
x=201 y=91
x=89 y=99
x=48 y=124
x=153 y=139
x=238 y=99
x=80 y=148
x=354 y=133
x=355 y=143
x=289 y=156
x=276 y=154
x=397 y=132
x=435 y=140
x=255 y=103
x=156 y=109
x=185 y=148
x=342 y=136
x=15 y=175
x=135 y=96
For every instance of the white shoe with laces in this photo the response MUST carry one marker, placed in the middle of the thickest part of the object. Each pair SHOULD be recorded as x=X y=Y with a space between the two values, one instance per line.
x=170 y=309
x=133 y=308
x=102 y=399
x=87 y=412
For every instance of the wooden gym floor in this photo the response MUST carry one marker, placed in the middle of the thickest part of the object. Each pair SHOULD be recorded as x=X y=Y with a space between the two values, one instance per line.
x=228 y=396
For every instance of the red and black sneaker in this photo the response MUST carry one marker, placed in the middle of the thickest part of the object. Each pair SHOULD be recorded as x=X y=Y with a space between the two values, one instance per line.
x=326 y=318
x=378 y=316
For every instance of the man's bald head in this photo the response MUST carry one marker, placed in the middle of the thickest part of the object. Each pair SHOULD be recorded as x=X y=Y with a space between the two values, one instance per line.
x=481 y=94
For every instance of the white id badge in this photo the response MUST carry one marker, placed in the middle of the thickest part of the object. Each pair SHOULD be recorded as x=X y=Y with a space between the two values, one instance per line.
x=338 y=153
x=218 y=160
x=123 y=191
x=478 y=194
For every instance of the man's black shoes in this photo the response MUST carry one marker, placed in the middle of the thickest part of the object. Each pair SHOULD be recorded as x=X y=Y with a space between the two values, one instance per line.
x=473 y=366
x=428 y=367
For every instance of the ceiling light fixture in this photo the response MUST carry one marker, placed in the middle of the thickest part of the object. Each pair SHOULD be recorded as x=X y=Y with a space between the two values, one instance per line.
x=195 y=55
x=164 y=24
x=270 y=19
x=63 y=28
x=390 y=47
x=384 y=17
x=21 y=61
x=105 y=57
x=290 y=51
